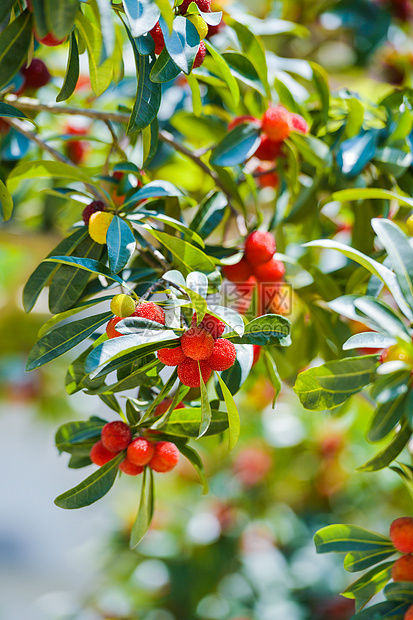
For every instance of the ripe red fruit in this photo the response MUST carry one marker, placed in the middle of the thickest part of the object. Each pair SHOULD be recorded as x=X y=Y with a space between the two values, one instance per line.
x=223 y=356
x=197 y=343
x=239 y=120
x=211 y=324
x=152 y=312
x=76 y=150
x=188 y=372
x=140 y=451
x=299 y=123
x=259 y=247
x=401 y=534
x=402 y=569
x=203 y=5
x=171 y=357
x=164 y=406
x=200 y=55
x=240 y=272
x=409 y=614
x=96 y=205
x=36 y=74
x=272 y=271
x=256 y=348
x=213 y=30
x=129 y=468
x=99 y=455
x=157 y=36
x=166 y=457
x=268 y=150
x=276 y=123
x=116 y=436
x=50 y=40
x=110 y=327
x=266 y=179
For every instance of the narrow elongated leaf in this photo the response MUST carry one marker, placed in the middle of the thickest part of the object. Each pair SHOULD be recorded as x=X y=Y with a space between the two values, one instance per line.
x=341 y=537
x=64 y=338
x=46 y=170
x=233 y=415
x=155 y=189
x=360 y=560
x=93 y=488
x=144 y=516
x=60 y=16
x=401 y=591
x=385 y=418
x=88 y=264
x=142 y=16
x=164 y=69
x=121 y=244
x=314 y=151
x=194 y=458
x=6 y=202
x=237 y=146
x=100 y=73
x=369 y=340
x=72 y=71
x=186 y=422
x=14 y=46
x=369 y=584
x=356 y=152
x=5 y=8
x=71 y=434
x=235 y=376
x=368 y=193
x=221 y=67
x=106 y=26
x=254 y=49
x=186 y=256
x=390 y=386
x=206 y=412
x=390 y=452
x=384 y=317
x=267 y=329
x=182 y=43
x=169 y=221
x=10 y=111
x=210 y=214
x=62 y=316
x=383 y=611
x=272 y=374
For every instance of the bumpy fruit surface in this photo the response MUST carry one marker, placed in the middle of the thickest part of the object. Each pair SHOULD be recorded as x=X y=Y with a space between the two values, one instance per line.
x=276 y=123
x=240 y=272
x=116 y=436
x=223 y=356
x=171 y=357
x=99 y=455
x=272 y=271
x=110 y=327
x=211 y=324
x=188 y=373
x=99 y=223
x=50 y=40
x=129 y=468
x=200 y=55
x=268 y=150
x=36 y=74
x=122 y=305
x=402 y=569
x=299 y=123
x=197 y=343
x=239 y=120
x=259 y=247
x=203 y=5
x=150 y=311
x=166 y=457
x=409 y=614
x=164 y=406
x=401 y=534
x=200 y=24
x=140 y=451
x=93 y=207
x=157 y=36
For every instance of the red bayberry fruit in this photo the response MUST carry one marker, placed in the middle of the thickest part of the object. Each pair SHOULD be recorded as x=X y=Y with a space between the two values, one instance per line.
x=164 y=406
x=171 y=357
x=240 y=272
x=256 y=348
x=402 y=569
x=401 y=534
x=223 y=355
x=188 y=372
x=409 y=614
x=166 y=457
x=299 y=123
x=152 y=312
x=110 y=327
x=266 y=179
x=211 y=324
x=276 y=123
x=157 y=36
x=130 y=468
x=99 y=455
x=93 y=207
x=50 y=40
x=239 y=120
x=268 y=150
x=140 y=451
x=76 y=150
x=197 y=343
x=272 y=271
x=213 y=30
x=36 y=74
x=259 y=247
x=116 y=436
x=200 y=55
x=203 y=5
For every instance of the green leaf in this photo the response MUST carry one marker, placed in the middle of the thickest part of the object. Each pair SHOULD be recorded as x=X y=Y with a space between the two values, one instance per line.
x=142 y=16
x=5 y=8
x=383 y=316
x=340 y=537
x=196 y=94
x=14 y=46
x=237 y=146
x=332 y=383
x=186 y=256
x=60 y=16
x=6 y=202
x=313 y=150
x=93 y=488
x=106 y=27
x=385 y=418
x=186 y=422
x=401 y=591
x=71 y=434
x=254 y=49
x=76 y=377
x=243 y=69
x=389 y=453
x=144 y=516
x=155 y=189
x=10 y=111
x=390 y=386
x=72 y=71
x=182 y=43
x=369 y=340
x=121 y=244
x=206 y=413
x=64 y=338
x=62 y=316
x=390 y=610
x=145 y=215
x=88 y=264
x=369 y=584
x=233 y=415
x=223 y=70
x=100 y=73
x=360 y=560
x=46 y=170
x=320 y=79
x=164 y=69
x=272 y=374
x=210 y=214
x=268 y=329
x=194 y=458
x=368 y=193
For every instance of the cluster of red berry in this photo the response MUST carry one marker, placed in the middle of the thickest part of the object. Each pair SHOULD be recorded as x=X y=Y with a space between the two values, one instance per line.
x=161 y=456
x=200 y=344
x=276 y=125
x=257 y=268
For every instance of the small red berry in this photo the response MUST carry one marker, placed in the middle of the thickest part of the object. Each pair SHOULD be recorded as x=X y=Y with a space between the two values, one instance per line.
x=50 y=40
x=409 y=614
x=93 y=207
x=188 y=372
x=200 y=55
x=203 y=5
x=223 y=356
x=129 y=468
x=171 y=357
x=268 y=150
x=99 y=455
x=197 y=343
x=157 y=36
x=116 y=436
x=299 y=124
x=239 y=120
x=401 y=534
x=164 y=406
x=276 y=123
x=166 y=457
x=213 y=30
x=76 y=150
x=240 y=272
x=256 y=348
x=211 y=324
x=152 y=312
x=402 y=569
x=267 y=179
x=110 y=327
x=140 y=451
x=272 y=271
x=36 y=74
x=259 y=247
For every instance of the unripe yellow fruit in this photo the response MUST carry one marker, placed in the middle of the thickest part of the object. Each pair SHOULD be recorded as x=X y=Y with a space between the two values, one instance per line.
x=397 y=353
x=98 y=225
x=122 y=305
x=409 y=225
x=200 y=24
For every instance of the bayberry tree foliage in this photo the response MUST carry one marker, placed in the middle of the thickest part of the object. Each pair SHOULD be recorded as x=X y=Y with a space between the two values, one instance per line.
x=282 y=200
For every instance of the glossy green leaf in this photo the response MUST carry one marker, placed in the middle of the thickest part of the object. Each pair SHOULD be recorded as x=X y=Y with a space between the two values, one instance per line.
x=369 y=584
x=368 y=340
x=14 y=46
x=88 y=264
x=100 y=73
x=244 y=70
x=6 y=202
x=401 y=591
x=145 y=511
x=121 y=244
x=390 y=610
x=62 y=316
x=236 y=376
x=206 y=412
x=368 y=193
x=271 y=329
x=383 y=316
x=341 y=537
x=145 y=215
x=222 y=69
x=360 y=560
x=5 y=8
x=254 y=49
x=187 y=257
x=237 y=146
x=71 y=434
x=386 y=416
x=164 y=69
x=142 y=16
x=194 y=458
x=60 y=16
x=72 y=71
x=182 y=43
x=10 y=111
x=234 y=422
x=210 y=214
x=186 y=422
x=390 y=452
x=313 y=150
x=46 y=170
